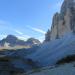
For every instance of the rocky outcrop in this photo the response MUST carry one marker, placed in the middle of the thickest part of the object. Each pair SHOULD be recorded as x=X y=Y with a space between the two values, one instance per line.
x=47 y=36
x=33 y=41
x=63 y=22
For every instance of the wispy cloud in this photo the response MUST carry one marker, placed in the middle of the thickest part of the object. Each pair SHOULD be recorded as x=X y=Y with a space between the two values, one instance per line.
x=22 y=38
x=4 y=25
x=19 y=32
x=37 y=29
x=21 y=35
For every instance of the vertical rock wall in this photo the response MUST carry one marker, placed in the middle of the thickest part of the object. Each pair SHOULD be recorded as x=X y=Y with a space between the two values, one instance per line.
x=63 y=22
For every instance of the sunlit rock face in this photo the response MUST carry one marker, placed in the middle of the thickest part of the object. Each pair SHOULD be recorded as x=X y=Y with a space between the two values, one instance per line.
x=63 y=22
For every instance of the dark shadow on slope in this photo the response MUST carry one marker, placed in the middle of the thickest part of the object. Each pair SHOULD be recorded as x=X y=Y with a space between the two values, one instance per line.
x=67 y=59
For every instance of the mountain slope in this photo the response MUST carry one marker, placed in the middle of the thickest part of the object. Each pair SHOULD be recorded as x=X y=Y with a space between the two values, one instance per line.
x=67 y=69
x=49 y=53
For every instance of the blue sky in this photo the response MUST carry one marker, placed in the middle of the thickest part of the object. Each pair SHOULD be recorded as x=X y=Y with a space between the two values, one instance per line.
x=27 y=18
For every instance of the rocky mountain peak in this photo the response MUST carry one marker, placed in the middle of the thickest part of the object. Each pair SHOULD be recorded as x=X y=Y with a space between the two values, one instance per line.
x=67 y=4
x=11 y=37
x=33 y=41
x=64 y=21
x=47 y=36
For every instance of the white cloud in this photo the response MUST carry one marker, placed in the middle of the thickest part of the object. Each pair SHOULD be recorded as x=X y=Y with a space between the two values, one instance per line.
x=21 y=35
x=19 y=32
x=37 y=29
x=25 y=37
x=22 y=38
x=7 y=26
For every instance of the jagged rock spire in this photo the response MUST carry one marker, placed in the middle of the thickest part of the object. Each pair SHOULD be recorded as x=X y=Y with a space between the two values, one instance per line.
x=63 y=22
x=47 y=36
x=67 y=4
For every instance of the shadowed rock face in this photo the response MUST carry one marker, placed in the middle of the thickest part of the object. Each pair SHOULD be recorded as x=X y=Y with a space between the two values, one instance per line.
x=68 y=59
x=47 y=36
x=63 y=22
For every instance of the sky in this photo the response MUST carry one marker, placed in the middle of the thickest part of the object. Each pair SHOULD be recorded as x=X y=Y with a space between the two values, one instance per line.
x=27 y=18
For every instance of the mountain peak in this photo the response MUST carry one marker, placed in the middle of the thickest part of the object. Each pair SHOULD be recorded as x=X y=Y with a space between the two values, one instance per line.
x=11 y=37
x=64 y=21
x=67 y=4
x=33 y=41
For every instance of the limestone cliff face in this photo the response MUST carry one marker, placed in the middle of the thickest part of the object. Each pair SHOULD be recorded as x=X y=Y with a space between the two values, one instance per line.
x=47 y=36
x=63 y=22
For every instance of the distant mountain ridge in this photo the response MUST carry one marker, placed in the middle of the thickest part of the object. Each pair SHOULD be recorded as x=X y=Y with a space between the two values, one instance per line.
x=12 y=41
